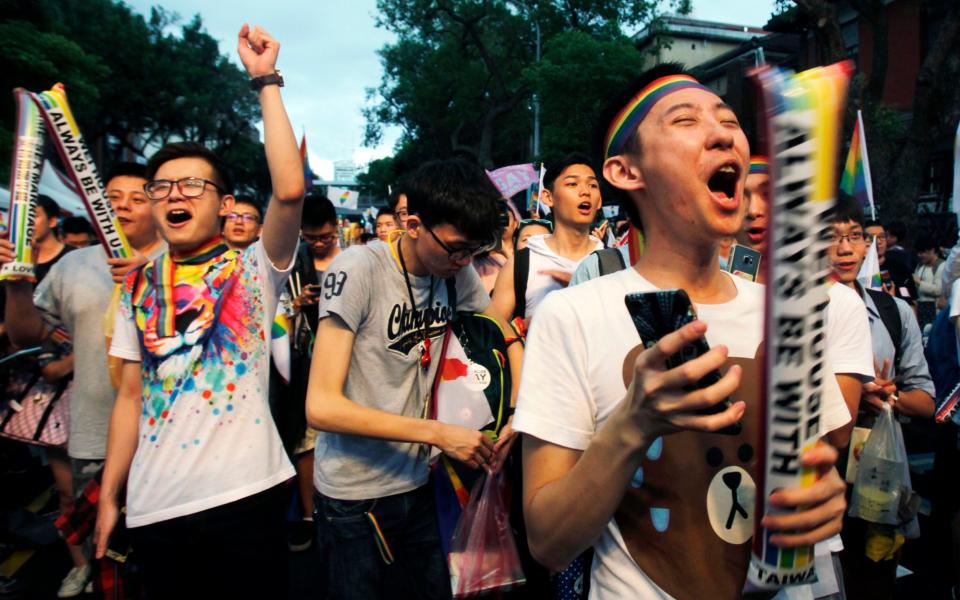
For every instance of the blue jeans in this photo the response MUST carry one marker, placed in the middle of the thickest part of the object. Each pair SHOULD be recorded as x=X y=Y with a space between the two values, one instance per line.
x=358 y=568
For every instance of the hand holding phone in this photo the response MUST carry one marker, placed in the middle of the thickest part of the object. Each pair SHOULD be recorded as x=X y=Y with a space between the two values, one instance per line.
x=659 y=314
x=744 y=262
x=309 y=295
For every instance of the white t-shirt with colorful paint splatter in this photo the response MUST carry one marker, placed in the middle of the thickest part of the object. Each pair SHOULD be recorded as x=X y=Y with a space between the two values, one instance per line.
x=206 y=437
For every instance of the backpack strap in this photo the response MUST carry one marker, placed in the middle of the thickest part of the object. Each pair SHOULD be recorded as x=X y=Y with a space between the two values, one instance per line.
x=609 y=260
x=890 y=315
x=521 y=271
x=451 y=283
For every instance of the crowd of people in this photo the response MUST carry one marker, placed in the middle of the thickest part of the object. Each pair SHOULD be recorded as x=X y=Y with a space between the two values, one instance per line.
x=252 y=362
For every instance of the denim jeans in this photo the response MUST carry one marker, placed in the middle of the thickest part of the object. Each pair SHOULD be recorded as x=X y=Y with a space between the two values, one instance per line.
x=359 y=570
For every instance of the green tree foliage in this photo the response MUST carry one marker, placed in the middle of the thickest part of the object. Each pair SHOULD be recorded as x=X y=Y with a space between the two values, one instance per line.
x=461 y=77
x=134 y=83
x=901 y=140
x=575 y=78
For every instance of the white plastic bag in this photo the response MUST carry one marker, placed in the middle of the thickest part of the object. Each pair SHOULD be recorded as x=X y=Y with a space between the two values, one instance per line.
x=881 y=484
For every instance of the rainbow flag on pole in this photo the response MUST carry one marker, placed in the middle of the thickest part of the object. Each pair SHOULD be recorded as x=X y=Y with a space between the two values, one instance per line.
x=856 y=174
x=307 y=172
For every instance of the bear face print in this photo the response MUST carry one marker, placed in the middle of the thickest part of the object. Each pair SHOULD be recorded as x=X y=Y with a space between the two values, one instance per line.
x=687 y=514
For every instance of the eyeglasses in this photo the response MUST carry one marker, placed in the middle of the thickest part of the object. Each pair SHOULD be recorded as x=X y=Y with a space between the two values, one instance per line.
x=458 y=254
x=313 y=239
x=190 y=187
x=854 y=237
x=542 y=222
x=875 y=236
x=242 y=217
x=402 y=213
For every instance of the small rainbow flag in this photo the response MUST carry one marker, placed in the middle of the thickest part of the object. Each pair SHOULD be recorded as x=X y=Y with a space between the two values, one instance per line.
x=307 y=172
x=856 y=174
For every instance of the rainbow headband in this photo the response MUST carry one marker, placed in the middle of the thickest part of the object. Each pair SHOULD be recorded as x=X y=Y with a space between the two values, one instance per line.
x=631 y=115
x=759 y=165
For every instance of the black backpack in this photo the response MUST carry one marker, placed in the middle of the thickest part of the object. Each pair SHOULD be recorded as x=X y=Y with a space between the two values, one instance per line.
x=941 y=354
x=483 y=343
x=890 y=315
x=610 y=260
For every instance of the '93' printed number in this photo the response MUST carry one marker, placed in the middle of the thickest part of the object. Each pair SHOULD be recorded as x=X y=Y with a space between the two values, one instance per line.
x=333 y=284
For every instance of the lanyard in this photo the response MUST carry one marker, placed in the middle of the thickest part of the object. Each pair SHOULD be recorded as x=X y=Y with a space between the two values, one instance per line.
x=424 y=339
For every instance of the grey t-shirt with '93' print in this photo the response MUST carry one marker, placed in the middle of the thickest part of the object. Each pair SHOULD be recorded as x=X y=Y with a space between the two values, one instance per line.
x=364 y=286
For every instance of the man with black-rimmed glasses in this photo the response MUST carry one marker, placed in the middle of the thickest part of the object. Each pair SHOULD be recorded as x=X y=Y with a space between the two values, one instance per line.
x=383 y=312
x=191 y=435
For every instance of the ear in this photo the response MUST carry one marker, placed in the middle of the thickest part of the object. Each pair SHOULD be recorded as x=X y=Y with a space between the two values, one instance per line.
x=546 y=197
x=622 y=173
x=226 y=204
x=413 y=226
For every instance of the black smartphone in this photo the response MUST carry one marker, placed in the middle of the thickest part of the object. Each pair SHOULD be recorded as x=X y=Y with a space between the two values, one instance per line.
x=312 y=288
x=656 y=314
x=744 y=262
x=885 y=278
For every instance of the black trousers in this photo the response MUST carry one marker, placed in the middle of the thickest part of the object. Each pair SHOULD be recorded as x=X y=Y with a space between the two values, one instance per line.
x=238 y=550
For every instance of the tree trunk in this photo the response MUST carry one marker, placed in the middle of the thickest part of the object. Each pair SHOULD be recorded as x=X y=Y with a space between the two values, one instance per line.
x=824 y=14
x=906 y=174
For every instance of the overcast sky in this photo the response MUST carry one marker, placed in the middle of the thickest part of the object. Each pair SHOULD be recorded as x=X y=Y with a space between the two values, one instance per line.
x=328 y=59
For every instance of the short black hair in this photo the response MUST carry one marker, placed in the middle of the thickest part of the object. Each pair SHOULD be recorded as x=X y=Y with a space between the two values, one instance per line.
x=177 y=150
x=846 y=210
x=897 y=229
x=49 y=206
x=249 y=202
x=632 y=145
x=555 y=168
x=395 y=191
x=926 y=242
x=524 y=223
x=126 y=169
x=76 y=225
x=318 y=211
x=872 y=223
x=458 y=193
x=385 y=211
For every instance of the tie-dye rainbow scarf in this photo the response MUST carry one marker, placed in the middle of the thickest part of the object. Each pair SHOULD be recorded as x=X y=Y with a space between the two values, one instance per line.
x=209 y=270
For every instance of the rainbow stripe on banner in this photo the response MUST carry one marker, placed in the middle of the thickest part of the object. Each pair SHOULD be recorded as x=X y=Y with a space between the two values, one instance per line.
x=856 y=180
x=24 y=182
x=81 y=169
x=803 y=117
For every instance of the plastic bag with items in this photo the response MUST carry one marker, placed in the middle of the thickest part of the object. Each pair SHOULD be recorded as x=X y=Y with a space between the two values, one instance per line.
x=483 y=555
x=882 y=492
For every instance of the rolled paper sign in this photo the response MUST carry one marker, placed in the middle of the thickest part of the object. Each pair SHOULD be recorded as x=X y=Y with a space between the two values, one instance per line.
x=803 y=118
x=24 y=181
x=80 y=168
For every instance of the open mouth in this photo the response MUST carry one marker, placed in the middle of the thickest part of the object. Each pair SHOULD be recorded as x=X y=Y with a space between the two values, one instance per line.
x=845 y=265
x=585 y=207
x=756 y=234
x=178 y=216
x=723 y=182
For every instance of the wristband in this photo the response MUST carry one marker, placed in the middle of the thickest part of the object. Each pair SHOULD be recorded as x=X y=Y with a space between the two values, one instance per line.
x=258 y=83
